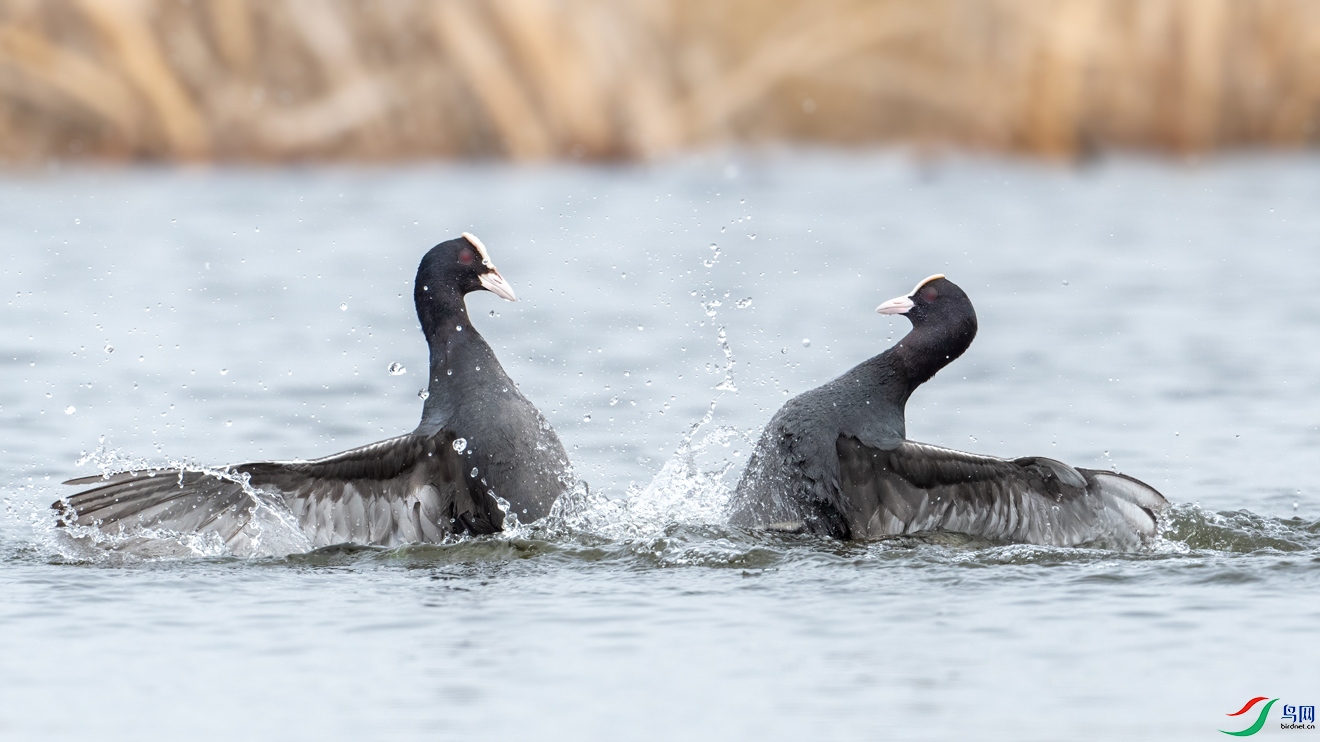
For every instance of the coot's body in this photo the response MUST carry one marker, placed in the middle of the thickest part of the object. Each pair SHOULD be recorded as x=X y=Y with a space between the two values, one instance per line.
x=481 y=451
x=836 y=460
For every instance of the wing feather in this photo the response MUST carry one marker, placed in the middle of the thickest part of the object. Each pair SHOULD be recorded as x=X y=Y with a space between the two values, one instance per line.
x=916 y=487
x=401 y=490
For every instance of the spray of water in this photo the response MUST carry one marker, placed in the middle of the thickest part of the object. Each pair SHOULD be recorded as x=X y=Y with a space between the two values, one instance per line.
x=270 y=530
x=691 y=490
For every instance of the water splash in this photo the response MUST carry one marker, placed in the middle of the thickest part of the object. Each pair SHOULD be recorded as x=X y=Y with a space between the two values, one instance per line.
x=1191 y=529
x=270 y=530
x=727 y=384
x=691 y=491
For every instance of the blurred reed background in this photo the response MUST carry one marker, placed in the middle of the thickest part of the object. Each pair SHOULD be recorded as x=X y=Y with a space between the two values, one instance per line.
x=288 y=80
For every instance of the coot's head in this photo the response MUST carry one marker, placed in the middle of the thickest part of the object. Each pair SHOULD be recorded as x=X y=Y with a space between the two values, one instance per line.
x=455 y=268
x=937 y=301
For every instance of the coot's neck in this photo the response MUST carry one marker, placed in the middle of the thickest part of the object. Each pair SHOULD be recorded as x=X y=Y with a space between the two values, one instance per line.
x=892 y=376
x=462 y=364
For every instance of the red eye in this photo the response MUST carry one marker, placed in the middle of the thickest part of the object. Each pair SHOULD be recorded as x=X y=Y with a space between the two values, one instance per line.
x=929 y=294
x=466 y=257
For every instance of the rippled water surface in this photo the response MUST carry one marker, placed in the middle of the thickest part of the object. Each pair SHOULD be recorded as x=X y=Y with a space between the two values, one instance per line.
x=1159 y=319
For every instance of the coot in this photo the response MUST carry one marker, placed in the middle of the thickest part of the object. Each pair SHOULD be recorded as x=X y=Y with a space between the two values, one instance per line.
x=836 y=460
x=481 y=451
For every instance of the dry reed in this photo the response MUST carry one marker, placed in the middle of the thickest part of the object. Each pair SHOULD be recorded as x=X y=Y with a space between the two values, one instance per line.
x=532 y=79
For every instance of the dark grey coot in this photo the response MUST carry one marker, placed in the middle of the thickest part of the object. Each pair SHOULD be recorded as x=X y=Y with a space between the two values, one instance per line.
x=480 y=440
x=836 y=460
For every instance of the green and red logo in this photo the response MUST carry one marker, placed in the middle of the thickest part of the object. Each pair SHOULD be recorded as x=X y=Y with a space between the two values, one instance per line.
x=1295 y=717
x=1260 y=720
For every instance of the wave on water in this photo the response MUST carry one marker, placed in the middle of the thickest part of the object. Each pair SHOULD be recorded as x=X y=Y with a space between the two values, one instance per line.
x=678 y=519
x=1190 y=528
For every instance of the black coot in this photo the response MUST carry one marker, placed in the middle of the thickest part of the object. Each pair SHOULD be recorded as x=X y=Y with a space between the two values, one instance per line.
x=480 y=441
x=836 y=460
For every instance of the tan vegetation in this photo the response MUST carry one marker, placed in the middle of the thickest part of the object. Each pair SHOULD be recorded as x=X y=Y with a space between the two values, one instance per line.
x=529 y=79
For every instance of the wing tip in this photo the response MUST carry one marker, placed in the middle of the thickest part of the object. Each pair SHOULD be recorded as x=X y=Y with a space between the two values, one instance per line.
x=1138 y=503
x=92 y=479
x=1135 y=490
x=65 y=513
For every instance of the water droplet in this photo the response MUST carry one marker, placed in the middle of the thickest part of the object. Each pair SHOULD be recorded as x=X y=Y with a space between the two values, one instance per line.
x=450 y=372
x=713 y=258
x=458 y=327
x=343 y=307
x=586 y=419
x=423 y=394
x=224 y=371
x=478 y=368
x=396 y=369
x=460 y=444
x=806 y=342
x=109 y=349
x=229 y=423
x=614 y=401
x=77 y=221
x=1065 y=282
x=493 y=314
x=70 y=410
x=639 y=328
x=744 y=303
x=474 y=473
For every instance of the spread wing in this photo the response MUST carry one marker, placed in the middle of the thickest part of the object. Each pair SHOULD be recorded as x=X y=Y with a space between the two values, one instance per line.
x=402 y=490
x=916 y=487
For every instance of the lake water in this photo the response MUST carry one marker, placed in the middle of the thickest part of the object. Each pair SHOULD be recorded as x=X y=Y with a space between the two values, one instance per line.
x=1161 y=319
